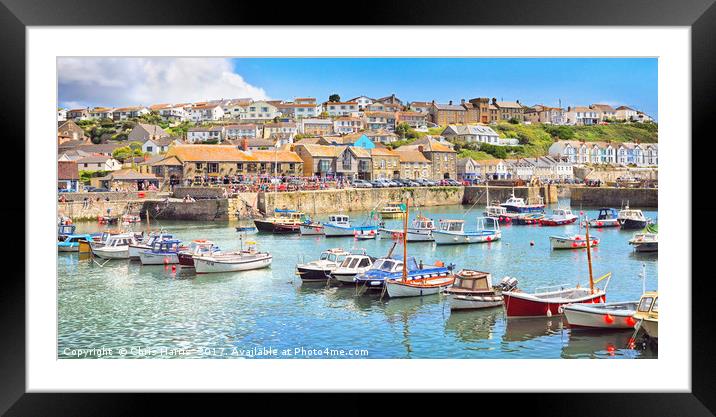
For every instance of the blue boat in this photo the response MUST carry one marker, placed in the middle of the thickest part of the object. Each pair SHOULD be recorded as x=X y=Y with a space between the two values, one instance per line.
x=392 y=268
x=71 y=243
x=64 y=230
x=518 y=205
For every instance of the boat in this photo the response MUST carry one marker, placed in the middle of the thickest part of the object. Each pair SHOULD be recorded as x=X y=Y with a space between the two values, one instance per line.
x=453 y=231
x=197 y=247
x=417 y=284
x=421 y=230
x=115 y=247
x=245 y=228
x=71 y=243
x=340 y=225
x=392 y=210
x=64 y=230
x=601 y=316
x=647 y=314
x=647 y=240
x=146 y=243
x=518 y=205
x=320 y=269
x=310 y=228
x=632 y=219
x=366 y=234
x=107 y=219
x=527 y=218
x=283 y=221
x=390 y=267
x=559 y=217
x=163 y=252
x=571 y=242
x=354 y=264
x=549 y=300
x=607 y=217
x=473 y=290
x=131 y=218
x=242 y=260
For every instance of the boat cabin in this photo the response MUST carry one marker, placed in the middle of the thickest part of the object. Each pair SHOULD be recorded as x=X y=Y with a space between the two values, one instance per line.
x=514 y=201
x=394 y=265
x=473 y=281
x=496 y=211
x=66 y=229
x=334 y=255
x=455 y=226
x=607 y=214
x=288 y=214
x=77 y=238
x=423 y=223
x=166 y=246
x=356 y=261
x=628 y=213
x=339 y=220
x=201 y=246
x=562 y=212
x=120 y=240
x=648 y=307
x=488 y=223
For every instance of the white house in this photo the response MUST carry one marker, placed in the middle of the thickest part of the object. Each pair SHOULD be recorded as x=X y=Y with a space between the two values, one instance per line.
x=203 y=134
x=124 y=113
x=336 y=108
x=472 y=134
x=625 y=113
x=205 y=112
x=363 y=101
x=101 y=113
x=581 y=116
x=248 y=130
x=616 y=153
x=98 y=163
x=261 y=111
x=61 y=115
x=346 y=124
x=157 y=145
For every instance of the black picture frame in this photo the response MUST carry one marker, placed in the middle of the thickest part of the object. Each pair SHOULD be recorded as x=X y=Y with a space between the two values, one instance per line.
x=699 y=15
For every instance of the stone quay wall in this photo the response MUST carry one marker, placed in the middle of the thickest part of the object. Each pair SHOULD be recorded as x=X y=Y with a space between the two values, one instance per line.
x=114 y=196
x=478 y=194
x=614 y=197
x=79 y=211
x=611 y=174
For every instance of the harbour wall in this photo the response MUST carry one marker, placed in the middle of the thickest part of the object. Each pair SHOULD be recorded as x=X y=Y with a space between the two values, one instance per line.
x=355 y=199
x=614 y=197
x=79 y=211
x=478 y=194
x=176 y=209
x=612 y=173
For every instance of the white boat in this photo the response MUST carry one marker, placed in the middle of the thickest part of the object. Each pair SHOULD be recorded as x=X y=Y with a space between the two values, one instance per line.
x=243 y=260
x=321 y=269
x=312 y=229
x=518 y=205
x=473 y=290
x=352 y=265
x=646 y=240
x=632 y=219
x=146 y=243
x=560 y=216
x=340 y=225
x=115 y=247
x=163 y=252
x=572 y=242
x=453 y=231
x=601 y=316
x=421 y=230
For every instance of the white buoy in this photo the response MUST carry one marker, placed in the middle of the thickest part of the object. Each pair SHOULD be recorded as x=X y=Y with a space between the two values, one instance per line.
x=549 y=312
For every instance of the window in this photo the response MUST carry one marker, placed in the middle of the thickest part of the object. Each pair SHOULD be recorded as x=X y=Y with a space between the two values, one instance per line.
x=240 y=166
x=198 y=166
x=213 y=167
x=645 y=303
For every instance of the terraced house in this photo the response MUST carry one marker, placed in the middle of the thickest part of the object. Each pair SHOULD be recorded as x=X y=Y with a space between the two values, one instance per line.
x=326 y=161
x=442 y=157
x=413 y=164
x=337 y=108
x=615 y=153
x=447 y=114
x=386 y=163
x=509 y=110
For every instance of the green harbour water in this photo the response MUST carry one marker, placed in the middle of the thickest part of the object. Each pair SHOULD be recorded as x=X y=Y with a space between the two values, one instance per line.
x=155 y=312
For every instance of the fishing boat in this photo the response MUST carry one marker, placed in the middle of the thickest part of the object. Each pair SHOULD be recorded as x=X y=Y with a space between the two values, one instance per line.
x=64 y=230
x=71 y=243
x=392 y=210
x=559 y=217
x=283 y=221
x=115 y=247
x=647 y=314
x=647 y=240
x=518 y=205
x=340 y=225
x=245 y=229
x=163 y=252
x=571 y=242
x=310 y=228
x=107 y=219
x=420 y=230
x=427 y=283
x=392 y=267
x=632 y=219
x=146 y=243
x=131 y=218
x=356 y=263
x=473 y=290
x=197 y=247
x=242 y=260
x=607 y=217
x=527 y=218
x=548 y=301
x=321 y=269
x=453 y=231
x=601 y=316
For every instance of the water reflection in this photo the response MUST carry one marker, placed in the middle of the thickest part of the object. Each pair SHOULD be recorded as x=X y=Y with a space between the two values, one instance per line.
x=528 y=328
x=472 y=326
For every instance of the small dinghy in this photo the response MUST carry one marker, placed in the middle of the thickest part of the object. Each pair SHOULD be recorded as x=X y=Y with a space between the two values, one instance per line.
x=243 y=260
x=601 y=316
x=647 y=240
x=473 y=290
x=421 y=230
x=571 y=242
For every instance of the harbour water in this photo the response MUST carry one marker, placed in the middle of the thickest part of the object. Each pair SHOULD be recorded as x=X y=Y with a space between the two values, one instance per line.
x=153 y=312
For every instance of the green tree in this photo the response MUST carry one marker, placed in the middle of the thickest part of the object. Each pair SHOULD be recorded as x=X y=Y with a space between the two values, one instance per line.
x=513 y=121
x=333 y=98
x=402 y=130
x=123 y=153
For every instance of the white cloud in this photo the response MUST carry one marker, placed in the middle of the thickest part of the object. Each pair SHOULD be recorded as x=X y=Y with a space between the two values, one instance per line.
x=145 y=81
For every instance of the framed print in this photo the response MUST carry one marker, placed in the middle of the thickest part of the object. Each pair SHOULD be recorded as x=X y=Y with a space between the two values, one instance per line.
x=375 y=209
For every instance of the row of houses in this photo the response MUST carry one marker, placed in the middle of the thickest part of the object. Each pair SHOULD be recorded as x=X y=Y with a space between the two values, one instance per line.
x=615 y=153
x=544 y=168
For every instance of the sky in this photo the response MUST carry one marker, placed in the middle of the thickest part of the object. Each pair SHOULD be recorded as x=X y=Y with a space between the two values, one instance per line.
x=114 y=82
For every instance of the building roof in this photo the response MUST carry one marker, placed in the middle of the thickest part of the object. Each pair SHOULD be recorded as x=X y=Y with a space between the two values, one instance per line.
x=326 y=151
x=202 y=153
x=509 y=104
x=603 y=107
x=471 y=130
x=67 y=170
x=428 y=145
x=94 y=159
x=383 y=152
x=408 y=155
x=152 y=130
x=311 y=141
x=450 y=107
x=128 y=174
x=280 y=155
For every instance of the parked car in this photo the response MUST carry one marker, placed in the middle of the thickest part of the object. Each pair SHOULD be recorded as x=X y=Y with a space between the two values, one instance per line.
x=410 y=183
x=361 y=184
x=377 y=184
x=98 y=190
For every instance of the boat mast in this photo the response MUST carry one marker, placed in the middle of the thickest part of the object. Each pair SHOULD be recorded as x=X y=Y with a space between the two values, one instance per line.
x=405 y=240
x=148 y=228
x=589 y=257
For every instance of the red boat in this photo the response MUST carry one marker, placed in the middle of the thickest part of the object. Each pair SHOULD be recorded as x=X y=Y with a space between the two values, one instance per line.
x=559 y=217
x=549 y=303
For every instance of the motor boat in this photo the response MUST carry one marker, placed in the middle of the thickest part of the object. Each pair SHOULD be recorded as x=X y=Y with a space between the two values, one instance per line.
x=146 y=243
x=518 y=205
x=392 y=268
x=473 y=290
x=527 y=218
x=163 y=252
x=321 y=269
x=647 y=240
x=71 y=243
x=601 y=316
x=453 y=231
x=392 y=210
x=559 y=217
x=607 y=217
x=340 y=225
x=572 y=242
x=632 y=219
x=356 y=263
x=647 y=313
x=115 y=247
x=283 y=221
x=197 y=247
x=243 y=260
x=421 y=230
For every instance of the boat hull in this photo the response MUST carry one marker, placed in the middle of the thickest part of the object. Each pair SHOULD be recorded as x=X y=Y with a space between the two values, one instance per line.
x=151 y=258
x=586 y=316
x=473 y=302
x=651 y=327
x=345 y=278
x=186 y=260
x=334 y=231
x=604 y=223
x=533 y=208
x=446 y=238
x=564 y=243
x=646 y=247
x=313 y=274
x=629 y=224
x=68 y=248
x=135 y=250
x=418 y=288
x=557 y=222
x=311 y=230
x=111 y=252
x=391 y=214
x=523 y=305
x=206 y=265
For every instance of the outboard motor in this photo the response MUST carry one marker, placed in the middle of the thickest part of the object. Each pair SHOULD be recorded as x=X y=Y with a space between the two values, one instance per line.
x=451 y=266
x=508 y=284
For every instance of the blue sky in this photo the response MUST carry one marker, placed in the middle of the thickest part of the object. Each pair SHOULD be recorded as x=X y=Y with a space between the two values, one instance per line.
x=576 y=81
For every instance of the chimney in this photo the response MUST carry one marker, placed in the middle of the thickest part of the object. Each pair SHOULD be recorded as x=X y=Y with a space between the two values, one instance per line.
x=450 y=102
x=462 y=101
x=420 y=148
x=518 y=102
x=245 y=144
x=494 y=100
